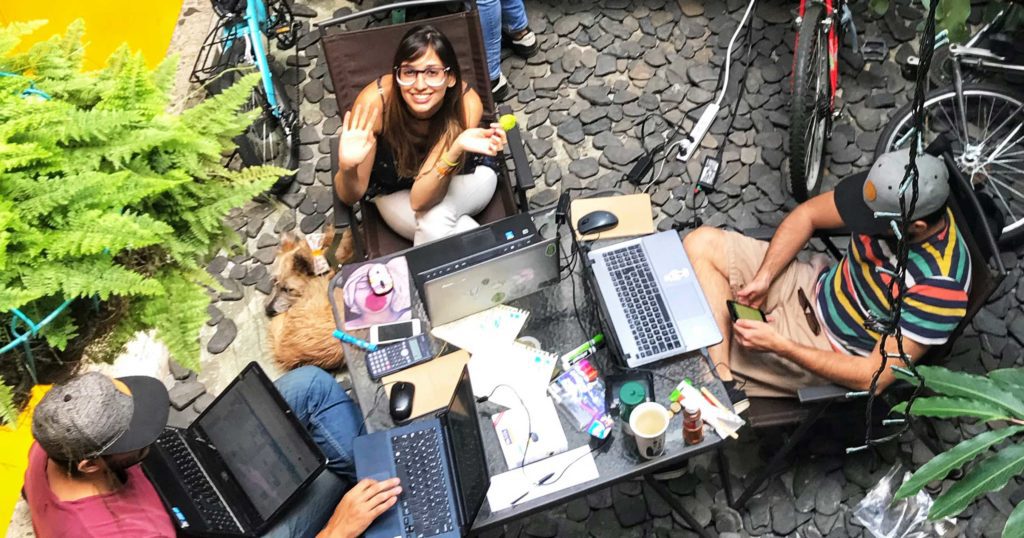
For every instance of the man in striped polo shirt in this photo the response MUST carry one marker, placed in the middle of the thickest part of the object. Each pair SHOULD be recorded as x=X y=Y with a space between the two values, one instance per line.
x=819 y=327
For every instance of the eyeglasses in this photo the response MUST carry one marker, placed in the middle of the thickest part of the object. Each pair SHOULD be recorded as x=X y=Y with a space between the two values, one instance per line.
x=805 y=305
x=434 y=76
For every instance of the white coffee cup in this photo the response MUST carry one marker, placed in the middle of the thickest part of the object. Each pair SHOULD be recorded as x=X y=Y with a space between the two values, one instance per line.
x=649 y=422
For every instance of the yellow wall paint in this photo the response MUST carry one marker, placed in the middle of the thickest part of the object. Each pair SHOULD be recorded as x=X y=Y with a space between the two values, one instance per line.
x=146 y=25
x=14 y=444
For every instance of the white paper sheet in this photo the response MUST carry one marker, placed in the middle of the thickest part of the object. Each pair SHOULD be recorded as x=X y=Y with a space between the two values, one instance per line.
x=539 y=418
x=511 y=485
x=526 y=370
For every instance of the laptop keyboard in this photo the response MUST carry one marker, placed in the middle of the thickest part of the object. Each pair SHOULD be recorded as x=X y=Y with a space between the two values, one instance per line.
x=424 y=496
x=641 y=301
x=196 y=485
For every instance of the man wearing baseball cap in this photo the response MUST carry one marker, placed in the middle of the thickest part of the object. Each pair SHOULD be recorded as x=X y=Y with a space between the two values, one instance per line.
x=83 y=478
x=822 y=321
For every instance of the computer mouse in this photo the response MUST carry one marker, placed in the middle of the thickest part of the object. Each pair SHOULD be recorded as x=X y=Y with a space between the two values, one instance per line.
x=380 y=279
x=596 y=221
x=401 y=400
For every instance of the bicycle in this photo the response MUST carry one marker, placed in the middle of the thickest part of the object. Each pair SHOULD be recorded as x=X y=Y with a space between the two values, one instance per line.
x=238 y=43
x=820 y=30
x=984 y=123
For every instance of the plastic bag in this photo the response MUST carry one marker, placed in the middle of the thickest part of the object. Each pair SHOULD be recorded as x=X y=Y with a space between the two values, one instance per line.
x=906 y=518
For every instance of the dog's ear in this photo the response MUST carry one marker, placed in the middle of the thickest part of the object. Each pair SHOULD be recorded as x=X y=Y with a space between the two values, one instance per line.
x=288 y=242
x=302 y=263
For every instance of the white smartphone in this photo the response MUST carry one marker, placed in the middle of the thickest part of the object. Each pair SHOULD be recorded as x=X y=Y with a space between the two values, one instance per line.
x=394 y=332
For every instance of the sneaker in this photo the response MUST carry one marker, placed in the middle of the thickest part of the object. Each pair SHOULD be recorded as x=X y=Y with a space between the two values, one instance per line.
x=523 y=43
x=500 y=88
x=739 y=400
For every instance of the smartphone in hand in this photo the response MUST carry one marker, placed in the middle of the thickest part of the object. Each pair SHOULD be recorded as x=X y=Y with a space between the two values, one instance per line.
x=741 y=311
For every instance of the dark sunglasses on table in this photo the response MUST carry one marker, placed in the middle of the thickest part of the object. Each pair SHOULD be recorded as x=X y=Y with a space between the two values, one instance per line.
x=433 y=76
x=805 y=305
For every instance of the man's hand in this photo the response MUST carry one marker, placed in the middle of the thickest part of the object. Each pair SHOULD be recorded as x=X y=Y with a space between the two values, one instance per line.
x=757 y=335
x=755 y=292
x=360 y=506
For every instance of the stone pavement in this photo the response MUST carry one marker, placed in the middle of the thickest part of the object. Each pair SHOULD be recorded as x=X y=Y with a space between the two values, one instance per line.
x=602 y=67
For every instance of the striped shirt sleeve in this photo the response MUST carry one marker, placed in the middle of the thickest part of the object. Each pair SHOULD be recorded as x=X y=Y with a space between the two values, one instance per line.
x=932 y=309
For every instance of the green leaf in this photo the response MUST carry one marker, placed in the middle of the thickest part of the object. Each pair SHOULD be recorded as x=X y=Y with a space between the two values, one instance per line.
x=8 y=412
x=1010 y=378
x=946 y=407
x=879 y=6
x=970 y=386
x=989 y=475
x=1015 y=524
x=954 y=458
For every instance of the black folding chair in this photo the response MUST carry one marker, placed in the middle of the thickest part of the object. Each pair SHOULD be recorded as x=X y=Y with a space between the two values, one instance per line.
x=813 y=403
x=358 y=48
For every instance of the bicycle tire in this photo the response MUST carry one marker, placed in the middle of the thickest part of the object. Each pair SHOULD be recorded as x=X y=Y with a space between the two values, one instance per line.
x=810 y=120
x=1003 y=179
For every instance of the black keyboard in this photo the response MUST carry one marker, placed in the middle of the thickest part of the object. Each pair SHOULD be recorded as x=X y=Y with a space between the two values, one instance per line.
x=641 y=301
x=424 y=497
x=196 y=485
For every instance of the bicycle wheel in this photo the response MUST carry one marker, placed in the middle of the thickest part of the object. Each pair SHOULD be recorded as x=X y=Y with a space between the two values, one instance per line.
x=987 y=144
x=809 y=109
x=272 y=137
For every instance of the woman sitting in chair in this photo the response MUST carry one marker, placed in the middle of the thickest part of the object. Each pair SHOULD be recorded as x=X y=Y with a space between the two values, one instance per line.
x=405 y=144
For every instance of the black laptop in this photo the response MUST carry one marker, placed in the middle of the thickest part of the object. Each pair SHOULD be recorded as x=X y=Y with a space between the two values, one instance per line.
x=235 y=470
x=441 y=464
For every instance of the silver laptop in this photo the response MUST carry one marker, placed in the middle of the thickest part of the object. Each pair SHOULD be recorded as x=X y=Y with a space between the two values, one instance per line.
x=652 y=300
x=492 y=282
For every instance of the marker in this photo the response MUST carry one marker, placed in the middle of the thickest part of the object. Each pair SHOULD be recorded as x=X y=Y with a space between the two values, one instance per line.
x=348 y=338
x=579 y=351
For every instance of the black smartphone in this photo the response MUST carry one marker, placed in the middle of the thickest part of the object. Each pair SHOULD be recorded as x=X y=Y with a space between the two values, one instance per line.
x=741 y=311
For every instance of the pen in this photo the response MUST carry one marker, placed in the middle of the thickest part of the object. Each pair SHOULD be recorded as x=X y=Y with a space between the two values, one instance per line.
x=521 y=497
x=593 y=342
x=348 y=338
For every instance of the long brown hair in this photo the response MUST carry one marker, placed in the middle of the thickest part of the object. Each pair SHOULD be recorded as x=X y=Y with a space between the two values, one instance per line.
x=445 y=125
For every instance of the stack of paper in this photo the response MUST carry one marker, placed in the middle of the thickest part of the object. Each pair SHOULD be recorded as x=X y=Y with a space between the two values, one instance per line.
x=539 y=423
x=485 y=330
x=520 y=485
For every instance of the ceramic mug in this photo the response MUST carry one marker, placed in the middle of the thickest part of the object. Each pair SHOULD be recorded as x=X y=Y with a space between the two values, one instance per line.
x=649 y=422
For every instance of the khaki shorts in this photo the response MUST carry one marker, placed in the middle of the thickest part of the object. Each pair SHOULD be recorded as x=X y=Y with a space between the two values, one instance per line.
x=767 y=374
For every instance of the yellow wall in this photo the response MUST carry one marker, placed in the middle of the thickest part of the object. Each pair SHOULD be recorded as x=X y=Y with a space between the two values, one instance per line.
x=146 y=25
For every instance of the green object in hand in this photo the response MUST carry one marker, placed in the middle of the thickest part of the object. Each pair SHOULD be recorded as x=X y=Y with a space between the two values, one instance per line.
x=507 y=121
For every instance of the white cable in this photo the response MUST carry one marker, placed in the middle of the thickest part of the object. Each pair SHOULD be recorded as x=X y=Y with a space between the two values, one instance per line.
x=668 y=153
x=728 y=52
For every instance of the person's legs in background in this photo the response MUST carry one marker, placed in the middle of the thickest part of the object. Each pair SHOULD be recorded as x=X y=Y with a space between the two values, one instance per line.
x=517 y=27
x=468 y=194
x=490 y=23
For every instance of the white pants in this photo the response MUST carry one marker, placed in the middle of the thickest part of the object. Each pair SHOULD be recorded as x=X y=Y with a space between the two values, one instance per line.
x=468 y=194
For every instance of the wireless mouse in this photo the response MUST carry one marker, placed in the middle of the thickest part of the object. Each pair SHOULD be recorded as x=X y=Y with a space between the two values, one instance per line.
x=401 y=400
x=596 y=221
x=380 y=279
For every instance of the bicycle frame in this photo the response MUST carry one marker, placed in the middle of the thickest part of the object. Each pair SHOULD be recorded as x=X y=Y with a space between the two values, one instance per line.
x=833 y=47
x=250 y=28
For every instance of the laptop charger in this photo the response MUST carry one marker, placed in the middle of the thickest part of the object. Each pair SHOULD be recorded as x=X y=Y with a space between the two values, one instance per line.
x=640 y=168
x=709 y=174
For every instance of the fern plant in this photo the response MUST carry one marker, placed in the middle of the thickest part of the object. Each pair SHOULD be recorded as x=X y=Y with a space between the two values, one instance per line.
x=105 y=194
x=996 y=397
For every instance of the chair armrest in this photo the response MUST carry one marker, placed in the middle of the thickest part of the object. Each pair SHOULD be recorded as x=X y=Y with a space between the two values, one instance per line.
x=763 y=233
x=523 y=175
x=824 y=393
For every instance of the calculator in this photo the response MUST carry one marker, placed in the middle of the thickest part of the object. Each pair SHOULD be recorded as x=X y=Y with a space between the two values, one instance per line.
x=395 y=357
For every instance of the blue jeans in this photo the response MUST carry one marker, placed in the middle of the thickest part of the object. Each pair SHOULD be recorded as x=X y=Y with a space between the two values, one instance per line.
x=333 y=420
x=494 y=16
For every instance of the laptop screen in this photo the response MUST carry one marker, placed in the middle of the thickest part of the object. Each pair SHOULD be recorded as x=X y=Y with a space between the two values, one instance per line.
x=261 y=446
x=468 y=449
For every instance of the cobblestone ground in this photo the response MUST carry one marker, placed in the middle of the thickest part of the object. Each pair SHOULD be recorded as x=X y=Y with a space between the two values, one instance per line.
x=602 y=67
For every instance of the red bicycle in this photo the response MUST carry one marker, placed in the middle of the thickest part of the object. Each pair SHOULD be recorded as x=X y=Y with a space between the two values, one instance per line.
x=815 y=80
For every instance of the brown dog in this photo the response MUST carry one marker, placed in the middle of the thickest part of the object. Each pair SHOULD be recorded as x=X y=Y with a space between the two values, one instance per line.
x=301 y=324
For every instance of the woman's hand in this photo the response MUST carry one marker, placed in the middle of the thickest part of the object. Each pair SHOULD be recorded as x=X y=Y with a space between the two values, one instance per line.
x=489 y=141
x=357 y=136
x=360 y=506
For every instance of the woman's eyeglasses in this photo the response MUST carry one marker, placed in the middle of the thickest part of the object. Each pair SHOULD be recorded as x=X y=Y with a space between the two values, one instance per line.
x=805 y=305
x=433 y=76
